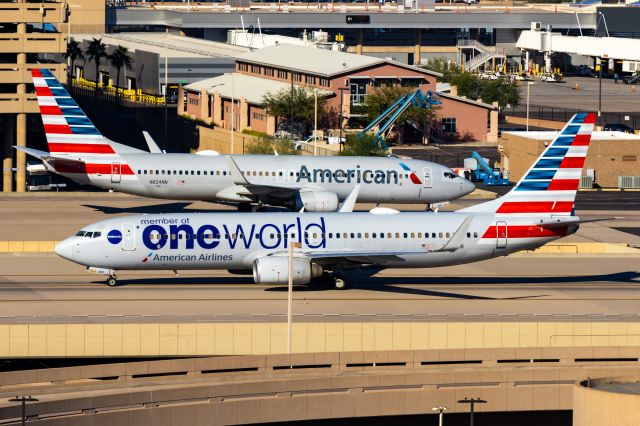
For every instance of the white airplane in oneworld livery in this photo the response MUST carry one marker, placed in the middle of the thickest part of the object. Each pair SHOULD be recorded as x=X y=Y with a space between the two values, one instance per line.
x=539 y=209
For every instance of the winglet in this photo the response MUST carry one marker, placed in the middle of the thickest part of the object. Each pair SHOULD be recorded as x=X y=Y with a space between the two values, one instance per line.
x=350 y=202
x=153 y=146
x=456 y=240
x=236 y=173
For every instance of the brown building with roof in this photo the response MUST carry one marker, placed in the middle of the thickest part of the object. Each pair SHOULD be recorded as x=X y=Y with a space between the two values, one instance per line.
x=344 y=79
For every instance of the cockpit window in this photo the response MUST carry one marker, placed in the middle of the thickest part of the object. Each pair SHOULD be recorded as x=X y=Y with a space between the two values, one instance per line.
x=451 y=174
x=88 y=234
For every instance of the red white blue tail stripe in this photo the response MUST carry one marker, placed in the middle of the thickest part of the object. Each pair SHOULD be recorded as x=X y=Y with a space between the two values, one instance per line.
x=550 y=185
x=69 y=131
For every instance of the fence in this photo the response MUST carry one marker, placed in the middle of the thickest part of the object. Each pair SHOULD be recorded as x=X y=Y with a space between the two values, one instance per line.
x=541 y=112
x=125 y=95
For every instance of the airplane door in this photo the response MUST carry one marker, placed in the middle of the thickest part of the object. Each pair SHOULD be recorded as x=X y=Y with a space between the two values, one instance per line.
x=501 y=235
x=427 y=181
x=116 y=169
x=128 y=237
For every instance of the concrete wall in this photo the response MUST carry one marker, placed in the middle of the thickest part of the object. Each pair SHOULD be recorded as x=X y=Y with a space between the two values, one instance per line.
x=55 y=340
x=609 y=158
x=593 y=406
x=219 y=139
x=261 y=389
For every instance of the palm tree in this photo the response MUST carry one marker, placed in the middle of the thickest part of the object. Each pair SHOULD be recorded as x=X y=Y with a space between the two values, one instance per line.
x=118 y=59
x=96 y=50
x=73 y=52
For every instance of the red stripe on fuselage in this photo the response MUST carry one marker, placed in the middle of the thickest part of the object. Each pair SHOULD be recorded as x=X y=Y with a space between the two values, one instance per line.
x=65 y=166
x=526 y=231
x=81 y=148
x=536 y=207
x=572 y=163
x=60 y=129
x=563 y=185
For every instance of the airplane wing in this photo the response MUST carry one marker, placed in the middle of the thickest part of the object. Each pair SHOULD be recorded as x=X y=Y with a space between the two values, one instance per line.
x=246 y=188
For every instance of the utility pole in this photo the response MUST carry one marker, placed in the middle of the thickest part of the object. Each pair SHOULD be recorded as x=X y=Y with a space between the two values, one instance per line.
x=291 y=117
x=233 y=113
x=24 y=400
x=166 y=90
x=472 y=402
x=599 y=86
x=342 y=89
x=315 y=122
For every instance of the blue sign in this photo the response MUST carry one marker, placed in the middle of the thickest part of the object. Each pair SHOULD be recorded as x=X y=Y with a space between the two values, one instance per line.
x=114 y=236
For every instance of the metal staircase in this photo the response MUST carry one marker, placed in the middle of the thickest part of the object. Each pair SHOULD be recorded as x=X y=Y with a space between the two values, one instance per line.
x=484 y=53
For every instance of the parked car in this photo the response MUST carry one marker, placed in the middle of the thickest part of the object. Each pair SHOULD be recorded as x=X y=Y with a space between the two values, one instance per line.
x=618 y=127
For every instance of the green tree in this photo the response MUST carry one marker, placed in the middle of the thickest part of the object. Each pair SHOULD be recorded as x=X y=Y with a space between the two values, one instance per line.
x=279 y=105
x=73 y=52
x=469 y=85
x=269 y=145
x=501 y=91
x=96 y=50
x=118 y=59
x=444 y=67
x=380 y=98
x=364 y=146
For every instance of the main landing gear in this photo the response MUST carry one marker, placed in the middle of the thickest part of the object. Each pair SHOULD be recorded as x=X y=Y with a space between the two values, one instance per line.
x=112 y=281
x=331 y=280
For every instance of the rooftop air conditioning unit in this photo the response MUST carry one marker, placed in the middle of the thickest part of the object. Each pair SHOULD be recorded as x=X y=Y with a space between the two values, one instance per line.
x=586 y=182
x=536 y=26
x=628 y=182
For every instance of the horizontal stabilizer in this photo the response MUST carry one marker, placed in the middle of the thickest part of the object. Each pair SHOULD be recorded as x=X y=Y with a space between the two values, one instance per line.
x=561 y=223
x=40 y=155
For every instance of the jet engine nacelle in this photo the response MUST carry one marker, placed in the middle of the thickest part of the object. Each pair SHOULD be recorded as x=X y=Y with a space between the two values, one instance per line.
x=275 y=270
x=316 y=201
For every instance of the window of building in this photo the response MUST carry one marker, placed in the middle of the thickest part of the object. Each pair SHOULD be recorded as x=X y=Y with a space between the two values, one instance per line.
x=297 y=77
x=310 y=79
x=324 y=82
x=259 y=116
x=255 y=69
x=268 y=71
x=448 y=125
x=283 y=74
x=243 y=67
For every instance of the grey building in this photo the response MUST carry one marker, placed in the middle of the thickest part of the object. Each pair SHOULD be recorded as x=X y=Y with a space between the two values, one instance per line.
x=187 y=60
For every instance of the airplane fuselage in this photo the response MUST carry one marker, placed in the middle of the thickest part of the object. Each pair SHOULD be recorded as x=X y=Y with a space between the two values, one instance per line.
x=234 y=241
x=203 y=177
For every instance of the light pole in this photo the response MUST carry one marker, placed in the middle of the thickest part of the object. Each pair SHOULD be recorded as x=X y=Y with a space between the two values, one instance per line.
x=440 y=409
x=599 y=86
x=24 y=400
x=342 y=89
x=529 y=83
x=315 y=122
x=292 y=246
x=472 y=402
x=233 y=113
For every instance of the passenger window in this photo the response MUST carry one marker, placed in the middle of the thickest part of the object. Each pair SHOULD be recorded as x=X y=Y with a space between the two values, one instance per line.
x=413 y=235
x=353 y=235
x=198 y=173
x=273 y=173
x=366 y=235
x=475 y=235
x=204 y=173
x=419 y=234
x=337 y=235
x=433 y=235
x=224 y=173
x=397 y=235
x=217 y=172
x=468 y=234
x=192 y=172
x=440 y=235
x=139 y=171
x=315 y=235
x=389 y=235
x=448 y=235
x=345 y=235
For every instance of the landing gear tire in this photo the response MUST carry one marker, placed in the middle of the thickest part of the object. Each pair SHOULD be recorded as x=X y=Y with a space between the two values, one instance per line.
x=339 y=283
x=112 y=281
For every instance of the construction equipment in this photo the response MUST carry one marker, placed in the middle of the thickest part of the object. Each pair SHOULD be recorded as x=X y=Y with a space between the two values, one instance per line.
x=488 y=175
x=391 y=114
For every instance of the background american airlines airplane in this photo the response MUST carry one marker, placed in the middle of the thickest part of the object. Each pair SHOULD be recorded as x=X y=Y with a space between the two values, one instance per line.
x=79 y=152
x=538 y=210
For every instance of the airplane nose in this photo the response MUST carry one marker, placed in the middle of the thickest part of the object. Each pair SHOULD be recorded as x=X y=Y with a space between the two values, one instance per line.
x=467 y=186
x=65 y=248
